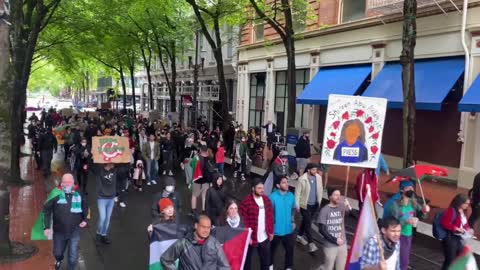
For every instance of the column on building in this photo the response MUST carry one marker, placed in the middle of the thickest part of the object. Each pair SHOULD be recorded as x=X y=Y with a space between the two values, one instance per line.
x=470 y=128
x=269 y=96
x=314 y=111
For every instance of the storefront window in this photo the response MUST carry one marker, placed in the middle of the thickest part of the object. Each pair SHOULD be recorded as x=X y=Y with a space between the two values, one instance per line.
x=353 y=10
x=281 y=99
x=257 y=96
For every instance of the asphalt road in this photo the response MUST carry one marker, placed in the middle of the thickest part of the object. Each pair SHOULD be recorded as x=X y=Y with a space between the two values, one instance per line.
x=129 y=248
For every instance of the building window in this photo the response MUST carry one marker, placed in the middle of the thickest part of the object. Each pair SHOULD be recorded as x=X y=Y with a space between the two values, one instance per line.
x=281 y=98
x=229 y=42
x=353 y=10
x=257 y=97
x=258 y=29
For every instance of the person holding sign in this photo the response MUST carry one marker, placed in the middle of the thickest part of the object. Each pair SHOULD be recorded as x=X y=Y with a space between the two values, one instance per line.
x=106 y=177
x=372 y=258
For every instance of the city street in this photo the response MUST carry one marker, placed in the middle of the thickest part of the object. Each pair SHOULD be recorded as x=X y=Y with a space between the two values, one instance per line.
x=129 y=248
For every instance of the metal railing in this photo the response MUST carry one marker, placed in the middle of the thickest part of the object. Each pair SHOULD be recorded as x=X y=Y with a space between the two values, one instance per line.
x=205 y=92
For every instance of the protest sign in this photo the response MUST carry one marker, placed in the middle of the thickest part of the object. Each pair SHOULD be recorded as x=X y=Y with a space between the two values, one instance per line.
x=353 y=131
x=110 y=149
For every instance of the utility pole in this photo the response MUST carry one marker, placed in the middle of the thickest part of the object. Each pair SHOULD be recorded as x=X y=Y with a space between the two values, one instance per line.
x=195 y=81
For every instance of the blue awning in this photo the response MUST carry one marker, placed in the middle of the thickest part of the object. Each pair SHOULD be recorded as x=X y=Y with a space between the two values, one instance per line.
x=434 y=78
x=471 y=100
x=341 y=80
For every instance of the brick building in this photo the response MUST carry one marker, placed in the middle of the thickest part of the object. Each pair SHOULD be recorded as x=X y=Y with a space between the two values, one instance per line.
x=353 y=47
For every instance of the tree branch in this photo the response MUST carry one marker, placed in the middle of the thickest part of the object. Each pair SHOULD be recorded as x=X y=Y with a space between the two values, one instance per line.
x=275 y=24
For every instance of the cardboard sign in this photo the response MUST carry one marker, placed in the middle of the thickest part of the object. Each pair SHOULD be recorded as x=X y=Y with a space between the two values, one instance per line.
x=110 y=149
x=353 y=131
x=154 y=115
x=67 y=112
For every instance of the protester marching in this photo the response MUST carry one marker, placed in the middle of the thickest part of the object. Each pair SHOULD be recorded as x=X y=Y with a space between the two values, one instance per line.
x=292 y=206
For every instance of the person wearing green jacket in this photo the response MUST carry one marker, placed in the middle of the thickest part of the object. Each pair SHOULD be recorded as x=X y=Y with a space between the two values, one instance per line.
x=408 y=211
x=241 y=158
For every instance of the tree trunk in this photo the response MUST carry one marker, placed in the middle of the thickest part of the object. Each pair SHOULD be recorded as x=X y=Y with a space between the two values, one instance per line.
x=124 y=88
x=5 y=146
x=131 y=68
x=407 y=59
x=87 y=78
x=173 y=87
x=291 y=81
x=147 y=63
x=221 y=76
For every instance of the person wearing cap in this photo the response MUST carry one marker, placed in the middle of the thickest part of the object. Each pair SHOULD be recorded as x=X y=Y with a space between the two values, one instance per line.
x=257 y=214
x=283 y=204
x=280 y=166
x=408 y=211
x=308 y=197
x=215 y=199
x=167 y=213
x=302 y=152
x=169 y=193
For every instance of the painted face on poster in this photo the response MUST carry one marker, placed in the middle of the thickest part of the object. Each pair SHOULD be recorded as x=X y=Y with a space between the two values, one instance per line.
x=353 y=131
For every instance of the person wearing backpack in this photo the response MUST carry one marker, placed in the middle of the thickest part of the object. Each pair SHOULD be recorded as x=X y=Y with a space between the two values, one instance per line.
x=455 y=222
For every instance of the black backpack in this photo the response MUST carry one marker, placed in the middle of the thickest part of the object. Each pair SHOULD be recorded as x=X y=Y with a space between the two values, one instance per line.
x=438 y=231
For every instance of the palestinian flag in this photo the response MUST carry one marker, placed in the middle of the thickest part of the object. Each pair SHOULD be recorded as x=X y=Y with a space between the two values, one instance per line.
x=163 y=236
x=196 y=165
x=37 y=229
x=465 y=261
x=58 y=132
x=235 y=244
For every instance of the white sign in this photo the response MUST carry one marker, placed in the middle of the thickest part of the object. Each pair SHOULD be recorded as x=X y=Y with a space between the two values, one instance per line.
x=353 y=131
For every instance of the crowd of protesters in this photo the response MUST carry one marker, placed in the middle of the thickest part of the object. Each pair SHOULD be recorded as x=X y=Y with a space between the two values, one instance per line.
x=165 y=150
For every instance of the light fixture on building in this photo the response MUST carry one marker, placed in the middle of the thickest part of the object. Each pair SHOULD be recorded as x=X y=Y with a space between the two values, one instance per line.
x=472 y=115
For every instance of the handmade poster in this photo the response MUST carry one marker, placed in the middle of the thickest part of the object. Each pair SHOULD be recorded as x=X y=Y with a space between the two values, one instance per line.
x=67 y=112
x=110 y=149
x=353 y=131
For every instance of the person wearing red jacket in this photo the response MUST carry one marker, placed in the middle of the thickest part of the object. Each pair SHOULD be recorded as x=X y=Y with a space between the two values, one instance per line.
x=366 y=177
x=455 y=221
x=257 y=213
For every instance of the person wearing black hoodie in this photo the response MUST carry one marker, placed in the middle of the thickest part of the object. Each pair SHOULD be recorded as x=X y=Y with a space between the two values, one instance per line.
x=215 y=199
x=475 y=201
x=106 y=177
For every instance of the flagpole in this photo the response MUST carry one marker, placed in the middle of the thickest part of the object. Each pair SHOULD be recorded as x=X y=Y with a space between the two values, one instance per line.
x=379 y=236
x=345 y=198
x=421 y=192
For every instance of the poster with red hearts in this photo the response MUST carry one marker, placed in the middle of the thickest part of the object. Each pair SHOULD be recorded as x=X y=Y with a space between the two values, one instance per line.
x=110 y=149
x=353 y=131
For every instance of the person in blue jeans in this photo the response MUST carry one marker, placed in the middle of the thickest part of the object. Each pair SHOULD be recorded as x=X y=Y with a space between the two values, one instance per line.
x=106 y=177
x=283 y=203
x=68 y=211
x=151 y=155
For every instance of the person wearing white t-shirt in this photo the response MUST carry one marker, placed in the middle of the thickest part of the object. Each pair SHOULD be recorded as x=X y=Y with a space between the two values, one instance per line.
x=257 y=214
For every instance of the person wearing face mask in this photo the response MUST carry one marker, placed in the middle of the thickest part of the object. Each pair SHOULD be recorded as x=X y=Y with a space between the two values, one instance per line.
x=408 y=211
x=82 y=159
x=67 y=208
x=170 y=193
x=371 y=258
x=302 y=151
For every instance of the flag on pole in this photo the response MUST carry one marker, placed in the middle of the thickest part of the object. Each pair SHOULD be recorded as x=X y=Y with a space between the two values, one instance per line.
x=37 y=229
x=163 y=236
x=196 y=165
x=465 y=261
x=366 y=228
x=235 y=244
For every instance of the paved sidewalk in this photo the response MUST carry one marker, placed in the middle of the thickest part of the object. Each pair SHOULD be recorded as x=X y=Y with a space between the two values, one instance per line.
x=25 y=204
